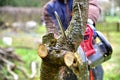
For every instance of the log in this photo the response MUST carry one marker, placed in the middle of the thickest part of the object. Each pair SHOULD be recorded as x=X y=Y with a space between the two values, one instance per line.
x=42 y=51
x=69 y=59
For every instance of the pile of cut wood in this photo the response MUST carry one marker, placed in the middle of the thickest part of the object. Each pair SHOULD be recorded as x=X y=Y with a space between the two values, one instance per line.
x=9 y=63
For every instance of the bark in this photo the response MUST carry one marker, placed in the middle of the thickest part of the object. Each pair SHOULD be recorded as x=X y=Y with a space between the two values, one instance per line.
x=55 y=65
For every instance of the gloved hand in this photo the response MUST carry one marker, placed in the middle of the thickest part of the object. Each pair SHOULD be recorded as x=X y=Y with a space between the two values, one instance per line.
x=91 y=24
x=90 y=21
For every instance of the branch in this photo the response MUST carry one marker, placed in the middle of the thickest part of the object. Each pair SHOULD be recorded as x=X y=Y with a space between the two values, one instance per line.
x=11 y=72
x=77 y=26
x=8 y=53
x=10 y=66
x=34 y=70
x=7 y=62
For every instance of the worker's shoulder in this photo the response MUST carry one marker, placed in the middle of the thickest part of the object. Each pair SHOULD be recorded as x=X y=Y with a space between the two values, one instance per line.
x=50 y=4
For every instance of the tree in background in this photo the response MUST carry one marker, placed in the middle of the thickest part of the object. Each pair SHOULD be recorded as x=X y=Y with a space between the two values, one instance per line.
x=24 y=3
x=3 y=2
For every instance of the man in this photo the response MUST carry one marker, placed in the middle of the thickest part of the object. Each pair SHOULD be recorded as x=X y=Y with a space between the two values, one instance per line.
x=64 y=10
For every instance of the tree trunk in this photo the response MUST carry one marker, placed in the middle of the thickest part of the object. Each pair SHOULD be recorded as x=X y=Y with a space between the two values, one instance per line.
x=57 y=62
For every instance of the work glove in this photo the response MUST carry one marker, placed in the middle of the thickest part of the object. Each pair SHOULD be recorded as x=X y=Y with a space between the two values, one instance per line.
x=91 y=24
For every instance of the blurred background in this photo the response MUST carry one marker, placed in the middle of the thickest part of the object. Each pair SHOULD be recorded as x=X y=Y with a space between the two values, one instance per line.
x=21 y=29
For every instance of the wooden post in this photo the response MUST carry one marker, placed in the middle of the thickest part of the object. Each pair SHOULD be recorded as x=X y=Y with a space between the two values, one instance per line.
x=118 y=26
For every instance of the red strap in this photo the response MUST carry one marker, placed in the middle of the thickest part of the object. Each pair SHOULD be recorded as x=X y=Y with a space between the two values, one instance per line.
x=91 y=75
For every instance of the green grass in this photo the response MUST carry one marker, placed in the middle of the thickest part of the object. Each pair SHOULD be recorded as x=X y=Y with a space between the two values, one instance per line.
x=112 y=67
x=112 y=19
x=28 y=56
x=40 y=29
x=107 y=27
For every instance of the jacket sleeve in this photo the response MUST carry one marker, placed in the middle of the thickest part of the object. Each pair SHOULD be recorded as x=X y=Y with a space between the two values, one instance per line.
x=94 y=10
x=50 y=20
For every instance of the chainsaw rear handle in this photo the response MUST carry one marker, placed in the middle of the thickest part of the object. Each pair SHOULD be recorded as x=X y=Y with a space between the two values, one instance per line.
x=105 y=42
x=103 y=51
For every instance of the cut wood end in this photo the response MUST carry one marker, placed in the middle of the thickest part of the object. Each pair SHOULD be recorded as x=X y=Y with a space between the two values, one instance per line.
x=42 y=51
x=69 y=59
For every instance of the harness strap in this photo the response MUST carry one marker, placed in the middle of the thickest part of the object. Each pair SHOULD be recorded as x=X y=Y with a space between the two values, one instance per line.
x=91 y=75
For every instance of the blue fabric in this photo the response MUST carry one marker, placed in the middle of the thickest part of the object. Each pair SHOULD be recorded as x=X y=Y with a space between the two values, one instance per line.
x=98 y=72
x=60 y=8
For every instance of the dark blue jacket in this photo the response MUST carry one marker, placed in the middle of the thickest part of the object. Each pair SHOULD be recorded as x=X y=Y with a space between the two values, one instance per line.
x=61 y=9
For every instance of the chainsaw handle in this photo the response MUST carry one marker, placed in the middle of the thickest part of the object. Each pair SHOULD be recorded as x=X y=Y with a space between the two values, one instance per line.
x=105 y=42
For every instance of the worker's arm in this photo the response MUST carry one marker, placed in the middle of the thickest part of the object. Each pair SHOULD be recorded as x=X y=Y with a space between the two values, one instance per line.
x=50 y=20
x=94 y=10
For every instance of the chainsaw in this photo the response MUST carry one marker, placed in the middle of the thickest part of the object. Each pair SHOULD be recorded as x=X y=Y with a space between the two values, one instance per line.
x=96 y=52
